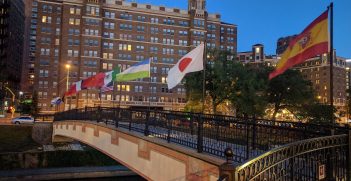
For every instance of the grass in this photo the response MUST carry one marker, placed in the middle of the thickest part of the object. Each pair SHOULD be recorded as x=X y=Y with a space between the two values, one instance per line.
x=16 y=139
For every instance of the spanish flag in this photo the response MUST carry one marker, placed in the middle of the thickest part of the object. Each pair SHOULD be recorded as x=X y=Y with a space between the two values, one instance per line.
x=311 y=42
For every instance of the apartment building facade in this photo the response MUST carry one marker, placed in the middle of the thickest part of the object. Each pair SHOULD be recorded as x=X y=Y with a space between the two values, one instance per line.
x=95 y=36
x=317 y=70
x=11 y=45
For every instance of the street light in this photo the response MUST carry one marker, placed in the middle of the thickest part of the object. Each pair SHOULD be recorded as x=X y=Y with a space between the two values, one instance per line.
x=68 y=66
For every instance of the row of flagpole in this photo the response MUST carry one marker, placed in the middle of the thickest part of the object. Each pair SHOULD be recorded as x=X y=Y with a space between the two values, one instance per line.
x=195 y=61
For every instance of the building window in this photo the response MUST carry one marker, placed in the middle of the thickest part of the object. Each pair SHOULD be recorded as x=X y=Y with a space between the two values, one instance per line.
x=109 y=25
x=46 y=19
x=138 y=88
x=154 y=20
x=164 y=80
x=107 y=55
x=110 y=14
x=125 y=47
x=92 y=10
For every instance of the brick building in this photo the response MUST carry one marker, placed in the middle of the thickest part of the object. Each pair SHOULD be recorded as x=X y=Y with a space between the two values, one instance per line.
x=11 y=46
x=97 y=35
x=317 y=70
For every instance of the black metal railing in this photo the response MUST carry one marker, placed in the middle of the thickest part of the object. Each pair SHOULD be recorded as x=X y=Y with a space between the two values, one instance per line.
x=44 y=117
x=206 y=133
x=324 y=158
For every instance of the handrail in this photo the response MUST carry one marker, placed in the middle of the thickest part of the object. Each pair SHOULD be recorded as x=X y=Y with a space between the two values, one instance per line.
x=247 y=137
x=285 y=152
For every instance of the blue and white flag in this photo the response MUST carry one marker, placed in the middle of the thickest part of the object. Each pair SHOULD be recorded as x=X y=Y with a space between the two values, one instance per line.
x=56 y=101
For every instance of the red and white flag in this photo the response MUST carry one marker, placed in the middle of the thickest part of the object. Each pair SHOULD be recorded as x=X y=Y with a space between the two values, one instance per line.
x=96 y=81
x=74 y=89
x=191 y=62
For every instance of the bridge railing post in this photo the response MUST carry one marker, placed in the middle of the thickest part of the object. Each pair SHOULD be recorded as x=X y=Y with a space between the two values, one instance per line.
x=147 y=122
x=85 y=113
x=99 y=114
x=254 y=130
x=116 y=116
x=200 y=133
x=170 y=123
x=247 y=136
x=227 y=170
x=130 y=119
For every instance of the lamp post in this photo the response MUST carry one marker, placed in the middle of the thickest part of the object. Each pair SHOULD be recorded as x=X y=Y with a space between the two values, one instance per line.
x=68 y=66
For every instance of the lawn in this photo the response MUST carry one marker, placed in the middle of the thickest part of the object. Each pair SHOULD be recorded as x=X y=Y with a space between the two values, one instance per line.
x=16 y=138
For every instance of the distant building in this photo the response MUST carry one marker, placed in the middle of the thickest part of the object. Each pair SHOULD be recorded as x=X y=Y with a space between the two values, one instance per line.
x=317 y=70
x=31 y=20
x=11 y=45
x=348 y=74
x=256 y=55
x=97 y=35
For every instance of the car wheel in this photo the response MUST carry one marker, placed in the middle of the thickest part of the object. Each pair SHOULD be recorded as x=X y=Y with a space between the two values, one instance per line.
x=17 y=122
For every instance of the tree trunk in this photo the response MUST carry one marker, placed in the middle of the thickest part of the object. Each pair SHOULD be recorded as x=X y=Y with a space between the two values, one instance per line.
x=276 y=109
x=214 y=109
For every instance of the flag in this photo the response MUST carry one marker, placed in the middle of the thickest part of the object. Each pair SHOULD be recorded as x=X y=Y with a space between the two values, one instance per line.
x=74 y=89
x=56 y=101
x=96 y=81
x=107 y=88
x=109 y=78
x=311 y=42
x=137 y=71
x=191 y=62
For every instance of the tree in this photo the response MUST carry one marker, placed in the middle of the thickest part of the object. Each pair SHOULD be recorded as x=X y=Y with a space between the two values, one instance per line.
x=34 y=106
x=248 y=92
x=319 y=113
x=217 y=84
x=289 y=91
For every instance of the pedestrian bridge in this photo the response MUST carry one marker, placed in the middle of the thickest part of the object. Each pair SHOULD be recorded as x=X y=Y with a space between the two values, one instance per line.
x=163 y=145
x=151 y=158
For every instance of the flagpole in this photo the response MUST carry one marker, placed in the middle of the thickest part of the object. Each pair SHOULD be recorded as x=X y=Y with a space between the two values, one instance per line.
x=87 y=98
x=120 y=95
x=331 y=58
x=113 y=94
x=149 y=85
x=204 y=77
x=100 y=95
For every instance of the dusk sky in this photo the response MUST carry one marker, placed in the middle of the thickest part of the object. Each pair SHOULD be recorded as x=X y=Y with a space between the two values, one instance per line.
x=264 y=21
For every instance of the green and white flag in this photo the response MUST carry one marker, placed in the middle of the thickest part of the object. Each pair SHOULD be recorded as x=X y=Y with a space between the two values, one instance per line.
x=137 y=71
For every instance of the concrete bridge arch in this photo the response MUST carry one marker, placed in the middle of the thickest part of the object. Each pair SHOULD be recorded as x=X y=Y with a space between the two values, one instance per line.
x=151 y=158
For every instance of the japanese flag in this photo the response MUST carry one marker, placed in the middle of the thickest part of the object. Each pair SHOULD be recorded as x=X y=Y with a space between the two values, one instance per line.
x=191 y=62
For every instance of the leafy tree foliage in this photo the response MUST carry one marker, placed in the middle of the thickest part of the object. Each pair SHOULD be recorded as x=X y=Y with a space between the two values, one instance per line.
x=218 y=80
x=289 y=91
x=319 y=113
x=248 y=92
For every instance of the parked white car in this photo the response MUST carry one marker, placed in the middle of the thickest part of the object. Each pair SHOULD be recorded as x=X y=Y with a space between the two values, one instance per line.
x=23 y=120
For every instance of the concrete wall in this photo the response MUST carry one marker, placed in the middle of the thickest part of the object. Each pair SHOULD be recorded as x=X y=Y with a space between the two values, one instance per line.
x=151 y=158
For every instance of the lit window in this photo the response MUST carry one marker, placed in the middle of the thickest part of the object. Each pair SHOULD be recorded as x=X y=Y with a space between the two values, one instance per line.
x=129 y=47
x=164 y=80
x=71 y=21
x=71 y=11
x=77 y=21
x=257 y=50
x=43 y=19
